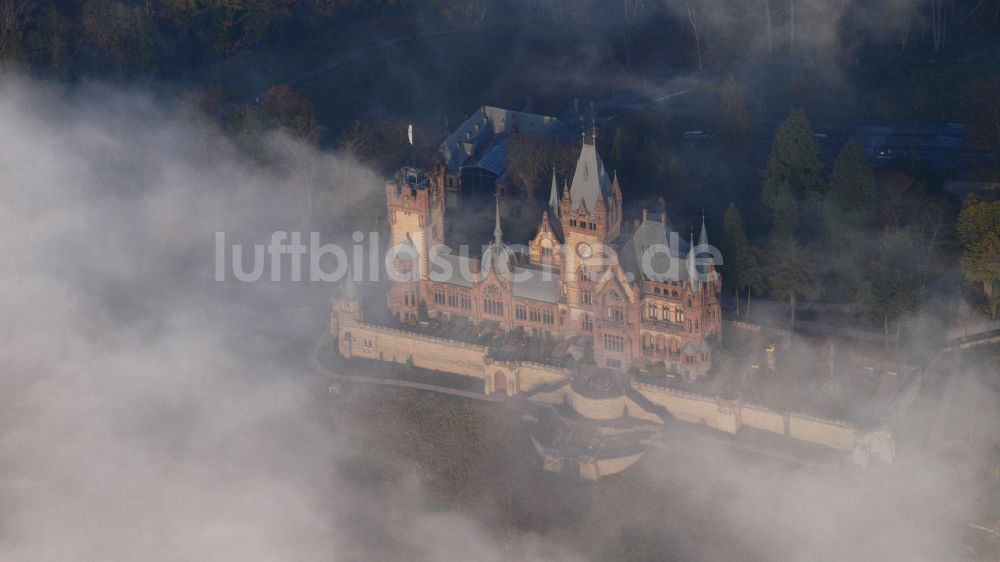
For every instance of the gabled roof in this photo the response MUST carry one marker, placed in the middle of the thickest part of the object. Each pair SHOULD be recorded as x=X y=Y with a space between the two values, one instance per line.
x=488 y=122
x=667 y=265
x=540 y=284
x=460 y=270
x=590 y=181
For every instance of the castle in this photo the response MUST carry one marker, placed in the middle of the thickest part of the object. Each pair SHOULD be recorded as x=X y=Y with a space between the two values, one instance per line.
x=638 y=297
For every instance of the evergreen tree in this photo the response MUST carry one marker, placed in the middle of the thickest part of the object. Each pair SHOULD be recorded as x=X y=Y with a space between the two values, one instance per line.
x=734 y=110
x=892 y=280
x=851 y=199
x=785 y=216
x=849 y=214
x=794 y=160
x=789 y=271
x=740 y=259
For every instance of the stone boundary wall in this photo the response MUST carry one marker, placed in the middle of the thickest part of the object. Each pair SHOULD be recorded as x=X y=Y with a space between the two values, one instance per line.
x=691 y=407
x=418 y=336
x=598 y=409
x=372 y=341
x=729 y=416
x=397 y=346
x=429 y=352
x=762 y=418
x=531 y=375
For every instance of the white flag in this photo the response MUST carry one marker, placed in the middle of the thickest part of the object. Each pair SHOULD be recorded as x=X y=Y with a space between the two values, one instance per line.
x=409 y=134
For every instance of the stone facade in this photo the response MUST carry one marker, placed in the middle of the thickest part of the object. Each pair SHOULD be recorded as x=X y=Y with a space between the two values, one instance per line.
x=546 y=384
x=585 y=278
x=865 y=444
x=582 y=277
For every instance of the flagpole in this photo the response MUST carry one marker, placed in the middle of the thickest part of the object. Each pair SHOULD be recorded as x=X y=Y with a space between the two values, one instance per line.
x=413 y=157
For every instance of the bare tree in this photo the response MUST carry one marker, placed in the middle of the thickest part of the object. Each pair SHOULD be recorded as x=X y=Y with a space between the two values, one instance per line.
x=13 y=15
x=791 y=26
x=631 y=11
x=767 y=18
x=939 y=22
x=693 y=18
x=529 y=156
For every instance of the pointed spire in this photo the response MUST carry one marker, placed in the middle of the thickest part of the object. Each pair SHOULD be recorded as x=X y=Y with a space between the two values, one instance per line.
x=703 y=237
x=691 y=267
x=497 y=233
x=554 y=195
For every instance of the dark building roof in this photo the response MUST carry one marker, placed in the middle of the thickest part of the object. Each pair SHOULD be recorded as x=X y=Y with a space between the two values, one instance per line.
x=666 y=263
x=590 y=181
x=481 y=139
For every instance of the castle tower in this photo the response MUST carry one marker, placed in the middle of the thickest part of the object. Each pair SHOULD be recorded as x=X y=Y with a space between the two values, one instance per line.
x=346 y=305
x=416 y=203
x=416 y=214
x=585 y=219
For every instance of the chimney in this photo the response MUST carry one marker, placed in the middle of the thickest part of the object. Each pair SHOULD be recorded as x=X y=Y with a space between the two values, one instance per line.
x=645 y=214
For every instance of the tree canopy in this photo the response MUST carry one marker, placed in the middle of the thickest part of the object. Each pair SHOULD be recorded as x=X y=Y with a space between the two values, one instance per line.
x=795 y=160
x=851 y=198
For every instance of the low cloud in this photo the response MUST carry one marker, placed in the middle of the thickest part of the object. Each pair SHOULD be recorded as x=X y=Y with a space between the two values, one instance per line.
x=147 y=411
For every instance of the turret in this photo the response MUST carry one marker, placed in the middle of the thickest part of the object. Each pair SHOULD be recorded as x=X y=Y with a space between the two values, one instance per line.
x=703 y=236
x=416 y=213
x=346 y=305
x=554 y=197
x=498 y=257
x=692 y=268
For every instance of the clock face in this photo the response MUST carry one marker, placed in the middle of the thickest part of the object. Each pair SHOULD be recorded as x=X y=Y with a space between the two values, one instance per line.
x=584 y=250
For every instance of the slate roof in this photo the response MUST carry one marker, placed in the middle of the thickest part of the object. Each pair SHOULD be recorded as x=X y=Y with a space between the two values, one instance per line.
x=542 y=284
x=488 y=122
x=460 y=270
x=665 y=266
x=590 y=181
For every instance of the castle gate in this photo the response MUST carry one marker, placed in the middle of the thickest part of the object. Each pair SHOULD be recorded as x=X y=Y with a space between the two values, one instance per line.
x=499 y=382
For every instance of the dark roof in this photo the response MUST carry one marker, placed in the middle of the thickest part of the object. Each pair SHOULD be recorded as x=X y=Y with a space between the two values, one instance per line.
x=667 y=263
x=590 y=181
x=539 y=283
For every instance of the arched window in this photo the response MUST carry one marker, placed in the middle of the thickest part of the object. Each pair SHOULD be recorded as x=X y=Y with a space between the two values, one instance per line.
x=492 y=304
x=647 y=342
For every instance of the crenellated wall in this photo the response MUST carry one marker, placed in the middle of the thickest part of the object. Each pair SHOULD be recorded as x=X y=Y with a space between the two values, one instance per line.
x=358 y=339
x=610 y=408
x=730 y=416
x=752 y=415
x=370 y=341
